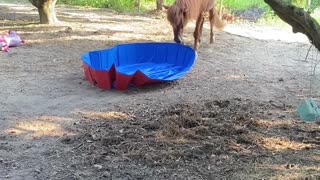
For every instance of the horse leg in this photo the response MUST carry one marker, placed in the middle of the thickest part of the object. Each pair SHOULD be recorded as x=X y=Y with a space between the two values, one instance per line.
x=200 y=30
x=197 y=31
x=212 y=15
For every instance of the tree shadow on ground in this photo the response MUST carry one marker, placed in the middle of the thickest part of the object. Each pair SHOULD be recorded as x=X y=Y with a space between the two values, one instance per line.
x=146 y=137
x=215 y=139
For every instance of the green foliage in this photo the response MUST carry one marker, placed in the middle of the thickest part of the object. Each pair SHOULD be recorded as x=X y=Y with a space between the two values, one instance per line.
x=169 y=1
x=299 y=3
x=119 y=5
x=115 y=4
x=130 y=5
x=269 y=17
x=304 y=4
x=232 y=5
x=243 y=4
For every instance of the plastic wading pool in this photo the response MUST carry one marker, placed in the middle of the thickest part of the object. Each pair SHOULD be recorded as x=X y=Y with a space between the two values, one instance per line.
x=137 y=64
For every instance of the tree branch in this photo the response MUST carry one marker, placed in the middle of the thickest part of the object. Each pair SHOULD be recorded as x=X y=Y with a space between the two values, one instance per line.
x=300 y=20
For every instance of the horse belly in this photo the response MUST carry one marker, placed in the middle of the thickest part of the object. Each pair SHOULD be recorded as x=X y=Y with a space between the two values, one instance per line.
x=210 y=5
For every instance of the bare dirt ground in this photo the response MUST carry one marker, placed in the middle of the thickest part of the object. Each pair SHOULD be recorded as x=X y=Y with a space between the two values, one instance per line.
x=232 y=117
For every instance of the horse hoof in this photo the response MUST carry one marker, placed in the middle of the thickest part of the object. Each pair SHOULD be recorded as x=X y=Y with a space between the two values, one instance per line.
x=212 y=40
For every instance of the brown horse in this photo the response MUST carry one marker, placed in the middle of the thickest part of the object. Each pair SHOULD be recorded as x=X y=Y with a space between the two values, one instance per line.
x=182 y=11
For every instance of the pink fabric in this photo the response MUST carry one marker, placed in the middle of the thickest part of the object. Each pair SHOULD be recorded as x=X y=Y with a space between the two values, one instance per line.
x=3 y=43
x=12 y=39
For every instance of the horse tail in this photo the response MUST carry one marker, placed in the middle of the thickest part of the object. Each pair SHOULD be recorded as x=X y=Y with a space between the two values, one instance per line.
x=218 y=22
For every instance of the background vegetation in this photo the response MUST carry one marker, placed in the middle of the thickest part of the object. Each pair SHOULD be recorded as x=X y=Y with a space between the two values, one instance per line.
x=131 y=5
x=119 y=5
x=237 y=7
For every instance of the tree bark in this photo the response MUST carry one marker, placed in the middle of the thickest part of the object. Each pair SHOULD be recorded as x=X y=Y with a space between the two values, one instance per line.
x=46 y=9
x=159 y=4
x=139 y=5
x=300 y=20
x=221 y=8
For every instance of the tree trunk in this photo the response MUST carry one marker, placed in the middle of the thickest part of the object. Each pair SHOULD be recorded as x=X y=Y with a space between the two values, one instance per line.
x=300 y=20
x=221 y=8
x=139 y=5
x=308 y=5
x=46 y=9
x=159 y=4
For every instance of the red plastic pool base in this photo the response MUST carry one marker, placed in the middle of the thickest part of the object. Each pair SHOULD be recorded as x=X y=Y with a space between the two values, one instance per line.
x=106 y=79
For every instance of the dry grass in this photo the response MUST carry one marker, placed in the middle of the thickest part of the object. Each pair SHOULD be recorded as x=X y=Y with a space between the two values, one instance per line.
x=45 y=126
x=274 y=123
x=105 y=115
x=291 y=171
x=281 y=144
x=205 y=140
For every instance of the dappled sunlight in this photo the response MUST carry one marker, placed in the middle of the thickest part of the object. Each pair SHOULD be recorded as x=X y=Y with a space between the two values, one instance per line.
x=65 y=39
x=112 y=115
x=127 y=36
x=96 y=32
x=101 y=15
x=68 y=15
x=312 y=127
x=88 y=16
x=21 y=9
x=288 y=124
x=290 y=171
x=23 y=4
x=171 y=132
x=275 y=167
x=234 y=77
x=239 y=148
x=45 y=126
x=278 y=144
x=315 y=157
x=79 y=24
x=274 y=123
x=267 y=33
x=162 y=137
x=222 y=119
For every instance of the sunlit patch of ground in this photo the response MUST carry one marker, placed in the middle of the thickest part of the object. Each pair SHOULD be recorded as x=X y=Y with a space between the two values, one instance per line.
x=267 y=33
x=274 y=123
x=45 y=126
x=235 y=77
x=105 y=115
x=204 y=140
x=291 y=171
x=281 y=144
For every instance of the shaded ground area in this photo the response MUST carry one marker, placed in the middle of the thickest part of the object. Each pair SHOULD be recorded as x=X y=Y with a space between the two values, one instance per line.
x=232 y=117
x=230 y=139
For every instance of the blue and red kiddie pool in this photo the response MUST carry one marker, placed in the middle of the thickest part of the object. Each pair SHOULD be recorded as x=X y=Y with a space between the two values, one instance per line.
x=137 y=64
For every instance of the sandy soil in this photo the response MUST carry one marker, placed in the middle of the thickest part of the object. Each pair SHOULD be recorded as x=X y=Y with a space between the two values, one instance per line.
x=232 y=117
